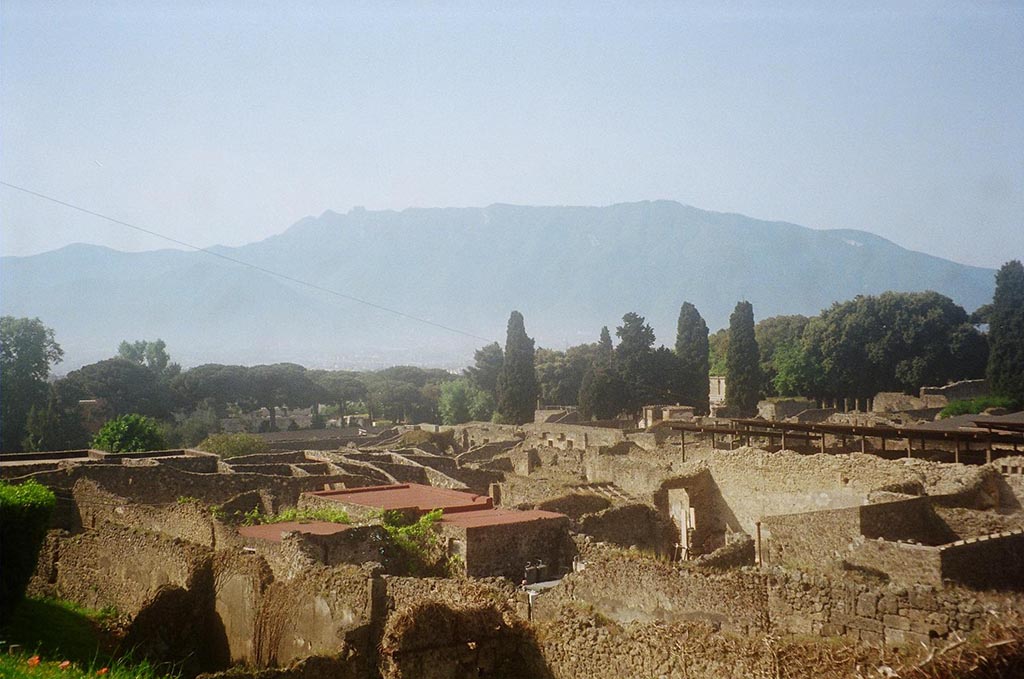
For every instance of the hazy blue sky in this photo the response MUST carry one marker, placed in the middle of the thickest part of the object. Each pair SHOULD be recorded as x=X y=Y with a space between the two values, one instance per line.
x=225 y=122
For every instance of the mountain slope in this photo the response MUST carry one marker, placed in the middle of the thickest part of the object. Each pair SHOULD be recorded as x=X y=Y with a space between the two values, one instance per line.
x=570 y=270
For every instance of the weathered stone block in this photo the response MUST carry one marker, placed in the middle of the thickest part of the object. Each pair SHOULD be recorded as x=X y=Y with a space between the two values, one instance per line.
x=896 y=622
x=872 y=637
x=867 y=624
x=924 y=599
x=867 y=605
x=897 y=637
x=888 y=604
x=831 y=629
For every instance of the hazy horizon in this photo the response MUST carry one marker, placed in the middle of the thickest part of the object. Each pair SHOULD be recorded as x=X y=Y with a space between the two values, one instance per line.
x=226 y=123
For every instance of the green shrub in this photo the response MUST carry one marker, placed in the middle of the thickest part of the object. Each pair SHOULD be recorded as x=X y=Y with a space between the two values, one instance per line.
x=25 y=512
x=417 y=542
x=129 y=434
x=233 y=445
x=974 y=406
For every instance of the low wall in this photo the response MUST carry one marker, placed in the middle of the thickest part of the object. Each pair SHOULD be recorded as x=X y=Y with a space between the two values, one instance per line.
x=637 y=525
x=818 y=540
x=991 y=561
x=504 y=549
x=626 y=588
x=631 y=588
x=122 y=568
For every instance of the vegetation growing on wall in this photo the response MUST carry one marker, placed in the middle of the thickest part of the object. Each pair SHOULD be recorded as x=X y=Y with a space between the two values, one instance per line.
x=417 y=542
x=25 y=511
x=233 y=445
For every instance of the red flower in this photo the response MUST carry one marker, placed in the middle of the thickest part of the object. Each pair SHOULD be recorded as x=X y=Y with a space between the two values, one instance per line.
x=33 y=661
x=103 y=671
x=64 y=665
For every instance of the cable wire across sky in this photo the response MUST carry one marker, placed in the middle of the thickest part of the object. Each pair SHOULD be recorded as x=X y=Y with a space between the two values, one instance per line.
x=256 y=267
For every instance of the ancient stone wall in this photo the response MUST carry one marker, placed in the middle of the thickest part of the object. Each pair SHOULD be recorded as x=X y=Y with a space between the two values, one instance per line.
x=571 y=436
x=504 y=549
x=631 y=588
x=902 y=562
x=625 y=588
x=184 y=518
x=986 y=562
x=320 y=613
x=123 y=568
x=162 y=484
x=632 y=525
x=297 y=551
x=820 y=539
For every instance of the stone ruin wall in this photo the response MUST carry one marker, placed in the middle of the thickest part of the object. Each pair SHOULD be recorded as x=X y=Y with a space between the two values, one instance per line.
x=627 y=589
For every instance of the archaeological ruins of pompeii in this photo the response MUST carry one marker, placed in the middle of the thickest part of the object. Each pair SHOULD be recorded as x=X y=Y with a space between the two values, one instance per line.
x=684 y=547
x=718 y=535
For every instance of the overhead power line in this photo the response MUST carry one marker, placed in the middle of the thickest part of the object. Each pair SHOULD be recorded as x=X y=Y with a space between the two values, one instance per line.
x=255 y=267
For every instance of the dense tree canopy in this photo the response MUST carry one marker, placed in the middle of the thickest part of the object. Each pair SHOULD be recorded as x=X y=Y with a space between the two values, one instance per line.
x=152 y=355
x=1006 y=333
x=461 y=401
x=693 y=352
x=124 y=387
x=897 y=341
x=742 y=362
x=602 y=394
x=517 y=381
x=487 y=363
x=775 y=334
x=27 y=351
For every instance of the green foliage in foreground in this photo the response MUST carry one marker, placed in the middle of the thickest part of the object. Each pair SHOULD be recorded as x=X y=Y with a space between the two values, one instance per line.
x=25 y=666
x=254 y=517
x=328 y=514
x=62 y=639
x=418 y=542
x=233 y=445
x=25 y=511
x=974 y=406
x=129 y=434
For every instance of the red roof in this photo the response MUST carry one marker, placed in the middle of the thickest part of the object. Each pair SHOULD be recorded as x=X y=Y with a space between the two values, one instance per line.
x=409 y=496
x=497 y=517
x=273 y=531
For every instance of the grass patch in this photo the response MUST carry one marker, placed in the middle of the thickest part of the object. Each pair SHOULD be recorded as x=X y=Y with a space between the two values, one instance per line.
x=24 y=666
x=328 y=514
x=973 y=406
x=58 y=628
x=61 y=639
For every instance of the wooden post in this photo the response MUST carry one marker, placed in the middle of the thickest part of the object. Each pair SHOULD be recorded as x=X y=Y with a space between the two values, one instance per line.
x=760 y=556
x=783 y=439
x=682 y=444
x=822 y=443
x=910 y=447
x=883 y=443
x=988 y=451
x=863 y=443
x=956 y=452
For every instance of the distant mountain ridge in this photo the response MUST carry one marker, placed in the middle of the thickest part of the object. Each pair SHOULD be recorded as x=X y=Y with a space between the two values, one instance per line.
x=570 y=270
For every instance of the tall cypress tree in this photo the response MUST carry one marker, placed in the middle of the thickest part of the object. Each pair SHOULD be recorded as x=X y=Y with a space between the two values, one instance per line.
x=692 y=350
x=742 y=362
x=605 y=350
x=517 y=381
x=1006 y=333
